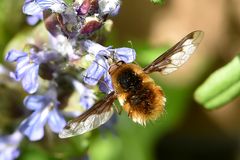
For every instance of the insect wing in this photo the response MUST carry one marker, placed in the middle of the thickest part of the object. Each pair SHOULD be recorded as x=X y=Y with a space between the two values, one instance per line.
x=176 y=56
x=97 y=115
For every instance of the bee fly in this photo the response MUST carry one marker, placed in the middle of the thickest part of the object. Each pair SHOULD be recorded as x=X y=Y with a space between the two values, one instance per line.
x=140 y=97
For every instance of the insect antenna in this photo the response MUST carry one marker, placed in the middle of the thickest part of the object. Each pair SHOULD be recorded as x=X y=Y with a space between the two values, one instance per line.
x=130 y=42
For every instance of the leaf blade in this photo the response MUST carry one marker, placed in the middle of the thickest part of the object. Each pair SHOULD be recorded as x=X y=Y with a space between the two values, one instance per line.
x=220 y=87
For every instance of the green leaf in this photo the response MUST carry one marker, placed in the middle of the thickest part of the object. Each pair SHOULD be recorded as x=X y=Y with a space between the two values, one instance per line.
x=221 y=87
x=158 y=1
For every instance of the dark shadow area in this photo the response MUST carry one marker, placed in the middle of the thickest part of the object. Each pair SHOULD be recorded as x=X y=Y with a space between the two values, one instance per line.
x=198 y=138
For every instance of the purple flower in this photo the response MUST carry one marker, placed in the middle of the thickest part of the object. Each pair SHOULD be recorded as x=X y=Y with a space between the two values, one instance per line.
x=87 y=96
x=34 y=7
x=27 y=67
x=115 y=11
x=33 y=19
x=96 y=70
x=9 y=146
x=109 y=7
x=99 y=67
x=79 y=20
x=106 y=85
x=45 y=110
x=63 y=46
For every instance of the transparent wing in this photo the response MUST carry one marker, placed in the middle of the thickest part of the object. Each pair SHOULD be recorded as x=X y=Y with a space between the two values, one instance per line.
x=176 y=56
x=97 y=115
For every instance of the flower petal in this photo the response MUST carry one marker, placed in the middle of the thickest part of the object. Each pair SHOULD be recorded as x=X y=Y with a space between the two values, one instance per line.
x=108 y=6
x=106 y=85
x=23 y=66
x=96 y=71
x=30 y=7
x=9 y=145
x=94 y=48
x=56 y=120
x=14 y=55
x=127 y=55
x=21 y=69
x=16 y=137
x=87 y=97
x=9 y=153
x=13 y=76
x=115 y=11
x=33 y=7
x=79 y=87
x=33 y=19
x=35 y=102
x=33 y=127
x=30 y=79
x=87 y=101
x=55 y=5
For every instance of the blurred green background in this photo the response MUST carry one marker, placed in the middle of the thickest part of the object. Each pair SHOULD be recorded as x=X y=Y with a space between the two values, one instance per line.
x=187 y=130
